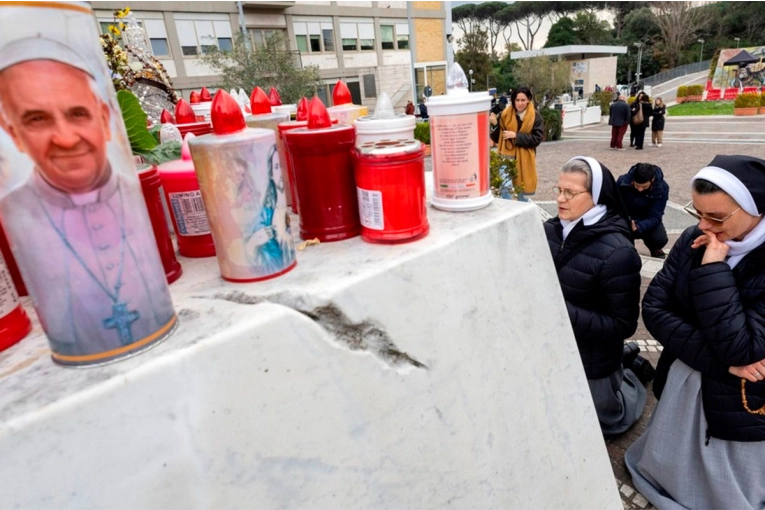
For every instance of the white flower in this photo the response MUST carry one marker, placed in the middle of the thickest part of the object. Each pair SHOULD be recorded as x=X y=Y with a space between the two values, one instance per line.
x=136 y=66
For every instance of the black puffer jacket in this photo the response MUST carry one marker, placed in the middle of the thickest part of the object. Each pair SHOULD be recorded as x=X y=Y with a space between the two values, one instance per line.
x=599 y=273
x=646 y=208
x=711 y=317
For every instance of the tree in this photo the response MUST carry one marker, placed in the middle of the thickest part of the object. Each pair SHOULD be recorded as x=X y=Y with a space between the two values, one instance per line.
x=529 y=15
x=620 y=10
x=267 y=66
x=679 y=23
x=472 y=54
x=464 y=16
x=591 y=30
x=547 y=78
x=562 y=33
x=504 y=69
x=487 y=13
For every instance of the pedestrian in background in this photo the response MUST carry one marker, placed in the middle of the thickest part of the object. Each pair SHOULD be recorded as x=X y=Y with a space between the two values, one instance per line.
x=645 y=193
x=409 y=108
x=618 y=119
x=657 y=124
x=520 y=132
x=599 y=274
x=705 y=444
x=641 y=114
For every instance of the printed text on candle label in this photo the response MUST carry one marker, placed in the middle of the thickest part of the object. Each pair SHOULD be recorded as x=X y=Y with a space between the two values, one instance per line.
x=371 y=209
x=189 y=212
x=8 y=297
x=456 y=155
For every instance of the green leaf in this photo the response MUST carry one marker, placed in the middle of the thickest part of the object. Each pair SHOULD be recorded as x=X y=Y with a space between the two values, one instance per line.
x=169 y=151
x=154 y=130
x=135 y=122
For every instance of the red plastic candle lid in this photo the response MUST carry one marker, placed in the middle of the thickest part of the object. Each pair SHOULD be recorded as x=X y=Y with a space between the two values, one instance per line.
x=302 y=109
x=341 y=94
x=194 y=97
x=183 y=113
x=259 y=103
x=318 y=116
x=205 y=96
x=274 y=97
x=226 y=115
x=166 y=117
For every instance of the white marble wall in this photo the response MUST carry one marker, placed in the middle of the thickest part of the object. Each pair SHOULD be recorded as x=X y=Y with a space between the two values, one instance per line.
x=441 y=373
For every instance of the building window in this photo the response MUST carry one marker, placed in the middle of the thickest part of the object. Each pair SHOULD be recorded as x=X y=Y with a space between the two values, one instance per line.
x=156 y=35
x=261 y=36
x=395 y=36
x=155 y=30
x=204 y=36
x=357 y=36
x=314 y=36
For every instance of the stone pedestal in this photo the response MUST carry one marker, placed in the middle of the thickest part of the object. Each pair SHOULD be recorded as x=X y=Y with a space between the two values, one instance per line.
x=441 y=373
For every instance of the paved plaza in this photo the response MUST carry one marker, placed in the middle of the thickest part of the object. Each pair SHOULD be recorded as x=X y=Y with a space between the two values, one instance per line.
x=690 y=143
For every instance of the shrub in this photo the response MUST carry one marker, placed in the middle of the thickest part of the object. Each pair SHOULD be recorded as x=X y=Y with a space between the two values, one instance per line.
x=682 y=91
x=749 y=100
x=762 y=99
x=553 y=124
x=695 y=90
x=422 y=132
x=602 y=99
x=501 y=173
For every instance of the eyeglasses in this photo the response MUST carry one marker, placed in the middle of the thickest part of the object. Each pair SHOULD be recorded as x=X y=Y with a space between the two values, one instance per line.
x=718 y=221
x=567 y=193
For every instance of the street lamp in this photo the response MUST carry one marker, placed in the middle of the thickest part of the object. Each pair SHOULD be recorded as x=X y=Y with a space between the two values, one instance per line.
x=470 y=85
x=701 y=53
x=737 y=39
x=639 y=46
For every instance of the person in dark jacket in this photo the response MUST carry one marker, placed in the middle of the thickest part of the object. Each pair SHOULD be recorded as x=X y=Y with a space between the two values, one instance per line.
x=645 y=194
x=643 y=104
x=423 y=110
x=520 y=132
x=705 y=444
x=618 y=119
x=657 y=124
x=599 y=273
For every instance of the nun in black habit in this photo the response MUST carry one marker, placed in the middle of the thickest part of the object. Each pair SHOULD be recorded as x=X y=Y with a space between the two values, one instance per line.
x=705 y=444
x=599 y=273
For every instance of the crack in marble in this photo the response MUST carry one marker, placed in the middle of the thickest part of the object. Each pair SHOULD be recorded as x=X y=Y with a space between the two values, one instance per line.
x=362 y=336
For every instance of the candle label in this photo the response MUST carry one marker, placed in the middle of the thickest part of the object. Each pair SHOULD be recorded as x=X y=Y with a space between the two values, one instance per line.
x=189 y=212
x=459 y=148
x=80 y=226
x=9 y=300
x=371 y=209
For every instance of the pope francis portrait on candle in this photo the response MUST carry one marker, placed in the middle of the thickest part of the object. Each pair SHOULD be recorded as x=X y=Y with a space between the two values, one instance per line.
x=78 y=223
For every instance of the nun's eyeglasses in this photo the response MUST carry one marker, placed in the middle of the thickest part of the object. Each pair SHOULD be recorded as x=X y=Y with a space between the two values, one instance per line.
x=567 y=193
x=717 y=221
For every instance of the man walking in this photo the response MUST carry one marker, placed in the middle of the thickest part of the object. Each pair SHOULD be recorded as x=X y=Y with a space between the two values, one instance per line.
x=644 y=193
x=619 y=119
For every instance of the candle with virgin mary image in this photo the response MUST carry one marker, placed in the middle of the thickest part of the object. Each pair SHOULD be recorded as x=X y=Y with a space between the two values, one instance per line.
x=70 y=200
x=240 y=177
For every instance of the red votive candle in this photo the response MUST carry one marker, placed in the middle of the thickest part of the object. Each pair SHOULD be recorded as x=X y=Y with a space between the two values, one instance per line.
x=322 y=164
x=14 y=322
x=181 y=188
x=390 y=179
x=10 y=262
x=301 y=122
x=150 y=184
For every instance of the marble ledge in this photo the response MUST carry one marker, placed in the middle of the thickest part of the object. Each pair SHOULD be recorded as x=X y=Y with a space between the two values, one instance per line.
x=206 y=304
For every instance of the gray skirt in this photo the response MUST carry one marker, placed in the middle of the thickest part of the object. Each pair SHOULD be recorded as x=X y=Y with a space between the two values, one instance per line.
x=673 y=469
x=619 y=401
